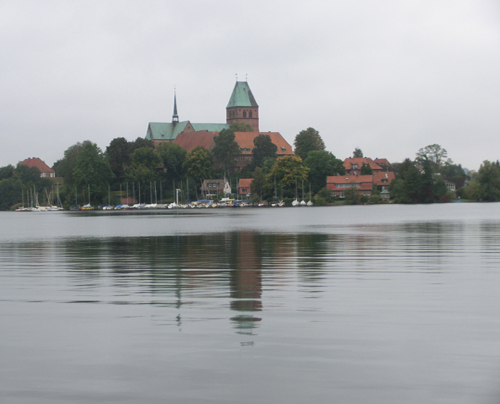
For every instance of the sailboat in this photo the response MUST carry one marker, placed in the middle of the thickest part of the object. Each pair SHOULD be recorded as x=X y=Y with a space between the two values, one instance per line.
x=310 y=203
x=303 y=202
x=296 y=201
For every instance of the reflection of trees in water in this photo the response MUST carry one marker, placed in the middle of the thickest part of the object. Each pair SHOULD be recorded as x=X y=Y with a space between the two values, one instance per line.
x=176 y=270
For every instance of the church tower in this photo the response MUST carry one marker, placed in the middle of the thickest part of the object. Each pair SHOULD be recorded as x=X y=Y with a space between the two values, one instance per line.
x=242 y=106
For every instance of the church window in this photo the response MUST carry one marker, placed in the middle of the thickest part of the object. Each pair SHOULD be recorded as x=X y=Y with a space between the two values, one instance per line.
x=249 y=114
x=244 y=114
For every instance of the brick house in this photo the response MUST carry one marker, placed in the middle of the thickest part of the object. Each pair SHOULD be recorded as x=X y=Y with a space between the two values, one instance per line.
x=244 y=186
x=45 y=170
x=339 y=183
x=353 y=165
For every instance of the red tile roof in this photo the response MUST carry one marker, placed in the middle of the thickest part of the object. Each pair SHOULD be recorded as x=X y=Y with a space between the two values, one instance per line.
x=245 y=182
x=38 y=163
x=245 y=141
x=365 y=181
x=385 y=162
x=381 y=175
x=189 y=140
x=348 y=163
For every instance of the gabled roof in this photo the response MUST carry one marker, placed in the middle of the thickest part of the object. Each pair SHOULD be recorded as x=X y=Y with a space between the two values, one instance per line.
x=170 y=131
x=38 y=163
x=245 y=182
x=165 y=130
x=382 y=175
x=242 y=96
x=348 y=163
x=384 y=162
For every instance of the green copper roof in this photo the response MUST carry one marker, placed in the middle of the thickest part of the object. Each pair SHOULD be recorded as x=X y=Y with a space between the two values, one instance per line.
x=169 y=131
x=164 y=131
x=211 y=127
x=242 y=96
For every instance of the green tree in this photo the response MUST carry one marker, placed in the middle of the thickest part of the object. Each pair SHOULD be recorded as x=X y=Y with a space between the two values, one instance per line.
x=263 y=148
x=145 y=166
x=10 y=192
x=6 y=172
x=258 y=181
x=366 y=169
x=435 y=154
x=321 y=164
x=65 y=167
x=306 y=141
x=118 y=153
x=240 y=127
x=173 y=156
x=92 y=170
x=453 y=170
x=488 y=178
x=357 y=153
x=198 y=164
x=288 y=171
x=139 y=143
x=225 y=150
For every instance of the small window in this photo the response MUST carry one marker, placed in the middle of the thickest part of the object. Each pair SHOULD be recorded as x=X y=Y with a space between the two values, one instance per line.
x=244 y=114
x=283 y=148
x=247 y=148
x=249 y=114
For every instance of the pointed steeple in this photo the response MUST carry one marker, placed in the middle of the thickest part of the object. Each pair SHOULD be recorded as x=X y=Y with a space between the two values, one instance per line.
x=242 y=106
x=175 y=117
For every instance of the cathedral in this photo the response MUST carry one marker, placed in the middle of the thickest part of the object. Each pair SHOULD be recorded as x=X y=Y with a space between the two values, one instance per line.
x=241 y=107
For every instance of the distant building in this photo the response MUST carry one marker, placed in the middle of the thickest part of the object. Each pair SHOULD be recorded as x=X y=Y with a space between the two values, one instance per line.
x=45 y=170
x=353 y=165
x=241 y=108
x=362 y=183
x=215 y=187
x=244 y=186
x=339 y=183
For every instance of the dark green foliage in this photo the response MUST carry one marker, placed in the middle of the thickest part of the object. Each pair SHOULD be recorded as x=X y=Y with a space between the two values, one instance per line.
x=366 y=170
x=306 y=141
x=118 y=153
x=352 y=196
x=92 y=170
x=172 y=156
x=27 y=174
x=324 y=197
x=357 y=153
x=240 y=127
x=258 y=182
x=65 y=167
x=453 y=170
x=263 y=148
x=10 y=192
x=321 y=164
x=289 y=173
x=488 y=178
x=198 y=165
x=6 y=172
x=145 y=166
x=225 y=150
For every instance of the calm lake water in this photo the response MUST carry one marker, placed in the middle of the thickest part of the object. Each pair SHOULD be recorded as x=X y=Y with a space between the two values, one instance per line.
x=360 y=304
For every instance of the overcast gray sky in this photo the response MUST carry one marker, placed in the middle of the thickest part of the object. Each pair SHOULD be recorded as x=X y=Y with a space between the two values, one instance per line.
x=388 y=77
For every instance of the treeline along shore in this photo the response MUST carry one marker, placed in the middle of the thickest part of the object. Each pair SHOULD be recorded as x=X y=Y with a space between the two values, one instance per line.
x=138 y=173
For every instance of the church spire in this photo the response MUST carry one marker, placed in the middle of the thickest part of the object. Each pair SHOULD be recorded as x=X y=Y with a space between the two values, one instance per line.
x=175 y=117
